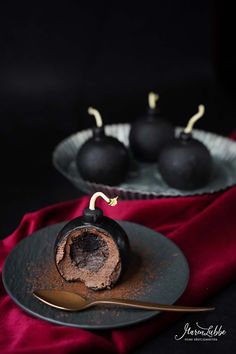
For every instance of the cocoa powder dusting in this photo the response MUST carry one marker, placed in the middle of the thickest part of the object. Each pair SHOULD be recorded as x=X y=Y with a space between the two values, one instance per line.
x=132 y=284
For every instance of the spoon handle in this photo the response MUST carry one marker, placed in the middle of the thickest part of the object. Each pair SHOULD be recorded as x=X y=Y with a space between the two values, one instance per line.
x=151 y=306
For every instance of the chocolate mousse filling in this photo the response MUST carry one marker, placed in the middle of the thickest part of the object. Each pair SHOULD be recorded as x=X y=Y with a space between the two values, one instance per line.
x=90 y=255
x=89 y=251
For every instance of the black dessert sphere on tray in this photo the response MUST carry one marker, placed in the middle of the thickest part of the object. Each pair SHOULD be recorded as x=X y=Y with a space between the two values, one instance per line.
x=150 y=133
x=92 y=248
x=186 y=163
x=102 y=159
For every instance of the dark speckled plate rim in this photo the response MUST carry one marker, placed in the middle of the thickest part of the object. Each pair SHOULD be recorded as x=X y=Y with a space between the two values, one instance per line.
x=97 y=327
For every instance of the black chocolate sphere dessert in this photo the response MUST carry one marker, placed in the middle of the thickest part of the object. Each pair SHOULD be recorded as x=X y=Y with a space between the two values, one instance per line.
x=150 y=133
x=186 y=163
x=92 y=248
x=102 y=159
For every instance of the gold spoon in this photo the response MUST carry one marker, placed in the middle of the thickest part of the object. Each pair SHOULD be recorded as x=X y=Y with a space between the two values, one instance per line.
x=70 y=301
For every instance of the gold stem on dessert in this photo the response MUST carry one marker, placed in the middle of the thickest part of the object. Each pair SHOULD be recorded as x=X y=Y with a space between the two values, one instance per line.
x=152 y=99
x=94 y=112
x=110 y=201
x=193 y=119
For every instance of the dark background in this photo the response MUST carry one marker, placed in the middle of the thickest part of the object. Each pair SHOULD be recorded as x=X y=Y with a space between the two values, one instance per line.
x=58 y=58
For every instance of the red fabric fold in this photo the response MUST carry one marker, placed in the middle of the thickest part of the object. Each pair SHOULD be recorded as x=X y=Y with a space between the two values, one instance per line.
x=202 y=226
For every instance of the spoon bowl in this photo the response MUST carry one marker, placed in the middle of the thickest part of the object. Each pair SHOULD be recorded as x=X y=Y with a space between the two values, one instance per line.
x=63 y=300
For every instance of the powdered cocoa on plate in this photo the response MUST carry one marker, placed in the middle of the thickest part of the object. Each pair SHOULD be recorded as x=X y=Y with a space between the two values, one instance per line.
x=133 y=284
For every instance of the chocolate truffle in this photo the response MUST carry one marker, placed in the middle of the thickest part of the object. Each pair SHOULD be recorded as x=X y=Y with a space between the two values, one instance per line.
x=92 y=248
x=102 y=159
x=186 y=163
x=150 y=133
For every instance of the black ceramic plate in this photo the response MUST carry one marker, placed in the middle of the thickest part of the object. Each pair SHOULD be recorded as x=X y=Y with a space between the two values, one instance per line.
x=144 y=179
x=158 y=272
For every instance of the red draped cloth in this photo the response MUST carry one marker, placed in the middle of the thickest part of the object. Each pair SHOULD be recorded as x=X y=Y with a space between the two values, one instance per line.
x=204 y=227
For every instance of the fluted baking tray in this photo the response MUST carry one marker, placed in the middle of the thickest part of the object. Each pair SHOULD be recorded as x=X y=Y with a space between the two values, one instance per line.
x=144 y=180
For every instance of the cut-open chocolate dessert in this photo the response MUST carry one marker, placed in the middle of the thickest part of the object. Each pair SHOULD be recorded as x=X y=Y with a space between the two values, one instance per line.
x=92 y=248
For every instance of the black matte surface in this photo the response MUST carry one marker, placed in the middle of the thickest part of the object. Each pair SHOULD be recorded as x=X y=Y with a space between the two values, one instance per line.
x=186 y=163
x=148 y=136
x=103 y=160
